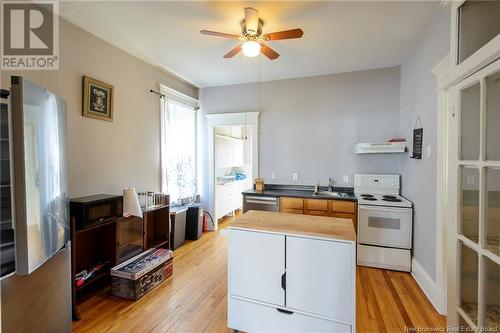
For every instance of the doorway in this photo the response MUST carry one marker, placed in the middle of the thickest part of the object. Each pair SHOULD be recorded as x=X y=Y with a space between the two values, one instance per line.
x=233 y=168
x=233 y=159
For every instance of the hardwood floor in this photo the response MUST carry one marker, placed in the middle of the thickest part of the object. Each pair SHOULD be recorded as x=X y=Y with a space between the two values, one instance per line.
x=194 y=299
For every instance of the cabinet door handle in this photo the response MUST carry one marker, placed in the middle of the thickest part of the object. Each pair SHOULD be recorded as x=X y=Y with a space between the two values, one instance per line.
x=284 y=311
x=283 y=281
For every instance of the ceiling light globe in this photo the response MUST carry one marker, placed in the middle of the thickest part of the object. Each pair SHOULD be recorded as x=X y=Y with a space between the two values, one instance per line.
x=251 y=48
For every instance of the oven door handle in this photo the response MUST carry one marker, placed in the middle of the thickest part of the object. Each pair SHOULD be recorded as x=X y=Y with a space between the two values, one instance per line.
x=272 y=203
x=261 y=200
x=388 y=209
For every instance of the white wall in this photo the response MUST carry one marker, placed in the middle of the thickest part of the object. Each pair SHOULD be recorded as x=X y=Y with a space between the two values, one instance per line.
x=106 y=156
x=418 y=97
x=310 y=125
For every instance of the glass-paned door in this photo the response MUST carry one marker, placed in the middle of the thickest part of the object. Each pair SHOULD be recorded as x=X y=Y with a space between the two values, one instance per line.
x=474 y=201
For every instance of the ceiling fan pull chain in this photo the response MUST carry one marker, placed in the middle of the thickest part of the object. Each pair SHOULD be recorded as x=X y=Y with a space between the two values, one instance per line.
x=260 y=89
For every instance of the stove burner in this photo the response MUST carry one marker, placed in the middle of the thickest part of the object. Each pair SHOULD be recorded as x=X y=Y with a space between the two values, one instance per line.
x=370 y=198
x=390 y=197
x=367 y=196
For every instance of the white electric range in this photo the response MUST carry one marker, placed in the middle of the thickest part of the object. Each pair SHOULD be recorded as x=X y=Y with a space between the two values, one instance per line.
x=385 y=222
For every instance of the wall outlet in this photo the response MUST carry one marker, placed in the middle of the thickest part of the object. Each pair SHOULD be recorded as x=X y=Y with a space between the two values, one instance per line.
x=295 y=176
x=273 y=175
x=346 y=179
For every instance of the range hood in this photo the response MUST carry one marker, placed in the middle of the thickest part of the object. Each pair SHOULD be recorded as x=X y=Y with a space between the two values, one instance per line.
x=380 y=147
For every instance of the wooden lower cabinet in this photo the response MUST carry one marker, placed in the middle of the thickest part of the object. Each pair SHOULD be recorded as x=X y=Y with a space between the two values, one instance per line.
x=292 y=211
x=316 y=213
x=291 y=203
x=320 y=207
x=341 y=206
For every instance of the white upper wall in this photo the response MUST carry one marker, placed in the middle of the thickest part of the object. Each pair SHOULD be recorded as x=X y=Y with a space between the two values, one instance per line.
x=105 y=157
x=419 y=98
x=339 y=36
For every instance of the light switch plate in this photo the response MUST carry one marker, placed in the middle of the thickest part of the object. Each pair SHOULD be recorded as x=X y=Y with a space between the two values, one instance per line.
x=295 y=176
x=429 y=151
x=273 y=175
x=346 y=179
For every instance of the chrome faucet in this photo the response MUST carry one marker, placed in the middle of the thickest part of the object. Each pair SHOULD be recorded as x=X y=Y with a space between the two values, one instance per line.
x=331 y=184
x=316 y=188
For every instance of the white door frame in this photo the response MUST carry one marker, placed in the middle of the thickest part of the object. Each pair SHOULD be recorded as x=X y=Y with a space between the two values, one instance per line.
x=453 y=198
x=455 y=74
x=229 y=119
x=441 y=72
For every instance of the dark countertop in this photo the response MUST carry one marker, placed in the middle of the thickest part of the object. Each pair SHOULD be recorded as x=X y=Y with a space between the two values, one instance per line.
x=177 y=209
x=299 y=191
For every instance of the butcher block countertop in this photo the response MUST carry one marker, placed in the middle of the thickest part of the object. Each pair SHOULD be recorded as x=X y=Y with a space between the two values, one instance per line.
x=295 y=224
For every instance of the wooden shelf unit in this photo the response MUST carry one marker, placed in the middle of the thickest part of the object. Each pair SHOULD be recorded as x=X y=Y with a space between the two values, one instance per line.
x=101 y=243
x=156 y=226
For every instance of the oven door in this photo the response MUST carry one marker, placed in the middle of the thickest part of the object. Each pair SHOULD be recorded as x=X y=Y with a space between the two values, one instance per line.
x=385 y=226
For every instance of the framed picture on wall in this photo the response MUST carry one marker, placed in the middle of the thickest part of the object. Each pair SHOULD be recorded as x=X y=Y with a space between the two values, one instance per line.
x=97 y=99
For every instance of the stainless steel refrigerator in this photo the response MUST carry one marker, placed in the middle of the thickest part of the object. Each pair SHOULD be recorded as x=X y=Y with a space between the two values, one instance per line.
x=36 y=296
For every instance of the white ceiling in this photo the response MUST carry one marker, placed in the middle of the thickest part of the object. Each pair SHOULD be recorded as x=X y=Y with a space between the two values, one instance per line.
x=338 y=36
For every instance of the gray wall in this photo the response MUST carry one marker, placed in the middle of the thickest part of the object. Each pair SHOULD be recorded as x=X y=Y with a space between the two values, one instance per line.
x=108 y=156
x=418 y=97
x=310 y=125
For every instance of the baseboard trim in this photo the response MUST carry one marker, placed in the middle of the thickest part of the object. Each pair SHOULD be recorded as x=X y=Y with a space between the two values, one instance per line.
x=428 y=286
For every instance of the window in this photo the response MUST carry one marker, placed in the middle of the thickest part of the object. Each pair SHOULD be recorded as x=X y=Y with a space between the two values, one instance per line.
x=478 y=24
x=178 y=146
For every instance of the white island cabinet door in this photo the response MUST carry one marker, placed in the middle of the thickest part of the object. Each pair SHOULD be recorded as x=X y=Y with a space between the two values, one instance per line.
x=320 y=277
x=256 y=262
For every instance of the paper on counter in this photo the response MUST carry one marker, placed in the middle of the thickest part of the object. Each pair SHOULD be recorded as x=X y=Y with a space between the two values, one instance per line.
x=131 y=204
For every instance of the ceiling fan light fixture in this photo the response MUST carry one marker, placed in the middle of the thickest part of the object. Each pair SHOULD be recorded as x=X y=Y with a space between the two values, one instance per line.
x=251 y=48
x=251 y=35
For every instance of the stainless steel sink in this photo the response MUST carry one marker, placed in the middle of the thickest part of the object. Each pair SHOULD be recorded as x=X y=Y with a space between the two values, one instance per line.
x=331 y=194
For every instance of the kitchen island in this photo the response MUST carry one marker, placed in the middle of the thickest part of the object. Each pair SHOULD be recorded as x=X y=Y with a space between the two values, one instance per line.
x=289 y=272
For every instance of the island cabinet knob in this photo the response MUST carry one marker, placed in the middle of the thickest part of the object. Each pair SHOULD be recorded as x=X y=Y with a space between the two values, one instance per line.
x=284 y=311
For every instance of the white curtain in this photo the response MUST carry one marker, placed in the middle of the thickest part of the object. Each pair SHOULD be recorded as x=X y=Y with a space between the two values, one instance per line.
x=178 y=150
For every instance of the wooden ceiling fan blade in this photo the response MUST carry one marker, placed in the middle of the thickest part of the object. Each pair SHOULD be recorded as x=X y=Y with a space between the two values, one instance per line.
x=286 y=34
x=233 y=52
x=268 y=52
x=219 y=34
x=251 y=19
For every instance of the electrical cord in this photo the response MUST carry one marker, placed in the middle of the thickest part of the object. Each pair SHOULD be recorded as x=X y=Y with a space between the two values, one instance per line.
x=211 y=218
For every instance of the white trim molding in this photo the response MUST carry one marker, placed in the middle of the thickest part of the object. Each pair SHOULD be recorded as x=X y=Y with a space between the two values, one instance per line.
x=229 y=119
x=441 y=73
x=435 y=295
x=178 y=96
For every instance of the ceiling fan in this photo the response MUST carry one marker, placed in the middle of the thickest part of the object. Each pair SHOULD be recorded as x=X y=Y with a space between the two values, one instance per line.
x=251 y=34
